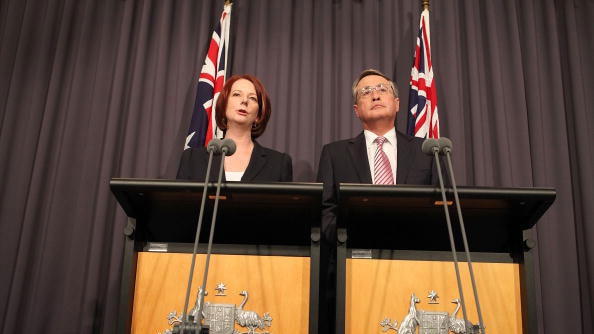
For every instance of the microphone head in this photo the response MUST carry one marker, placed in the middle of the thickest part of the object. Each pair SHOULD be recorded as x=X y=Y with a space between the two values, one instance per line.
x=228 y=146
x=429 y=146
x=214 y=146
x=445 y=145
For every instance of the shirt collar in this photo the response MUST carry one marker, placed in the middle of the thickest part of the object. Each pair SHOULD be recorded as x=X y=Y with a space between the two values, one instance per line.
x=370 y=137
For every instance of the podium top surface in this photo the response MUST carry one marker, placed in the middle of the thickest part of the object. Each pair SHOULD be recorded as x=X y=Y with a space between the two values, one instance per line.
x=250 y=213
x=413 y=216
x=524 y=205
x=237 y=193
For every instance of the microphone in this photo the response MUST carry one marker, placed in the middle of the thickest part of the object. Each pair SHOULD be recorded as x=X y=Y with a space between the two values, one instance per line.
x=445 y=145
x=188 y=325
x=228 y=148
x=431 y=147
x=445 y=148
x=214 y=146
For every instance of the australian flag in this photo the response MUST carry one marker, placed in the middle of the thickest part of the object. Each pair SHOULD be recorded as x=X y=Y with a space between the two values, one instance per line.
x=423 y=120
x=212 y=78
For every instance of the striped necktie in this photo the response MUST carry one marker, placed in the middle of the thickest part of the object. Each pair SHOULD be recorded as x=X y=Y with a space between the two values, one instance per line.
x=382 y=171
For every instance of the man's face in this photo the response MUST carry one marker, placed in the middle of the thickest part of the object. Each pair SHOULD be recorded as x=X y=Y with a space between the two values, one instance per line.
x=375 y=103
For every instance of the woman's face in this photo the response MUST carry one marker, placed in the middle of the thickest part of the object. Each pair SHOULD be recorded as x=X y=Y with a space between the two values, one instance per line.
x=242 y=104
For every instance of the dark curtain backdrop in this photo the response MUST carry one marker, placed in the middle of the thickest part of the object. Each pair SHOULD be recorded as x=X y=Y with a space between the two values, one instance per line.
x=91 y=90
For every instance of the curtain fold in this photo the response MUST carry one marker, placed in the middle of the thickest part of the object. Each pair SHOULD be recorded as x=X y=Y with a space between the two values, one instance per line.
x=577 y=85
x=91 y=90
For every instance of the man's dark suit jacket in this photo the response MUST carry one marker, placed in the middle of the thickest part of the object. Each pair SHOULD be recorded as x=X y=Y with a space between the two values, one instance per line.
x=346 y=161
x=266 y=165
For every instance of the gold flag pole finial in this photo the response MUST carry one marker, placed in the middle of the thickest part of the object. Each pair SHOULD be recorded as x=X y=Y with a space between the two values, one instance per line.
x=425 y=4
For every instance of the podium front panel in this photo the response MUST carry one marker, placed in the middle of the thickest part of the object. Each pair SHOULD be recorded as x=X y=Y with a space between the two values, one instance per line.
x=380 y=291
x=275 y=285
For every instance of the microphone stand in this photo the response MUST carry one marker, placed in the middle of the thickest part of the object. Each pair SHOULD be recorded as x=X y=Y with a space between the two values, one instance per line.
x=445 y=146
x=431 y=147
x=214 y=147
x=227 y=148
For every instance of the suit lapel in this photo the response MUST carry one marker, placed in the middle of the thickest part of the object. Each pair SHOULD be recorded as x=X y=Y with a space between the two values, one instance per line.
x=358 y=153
x=405 y=157
x=257 y=162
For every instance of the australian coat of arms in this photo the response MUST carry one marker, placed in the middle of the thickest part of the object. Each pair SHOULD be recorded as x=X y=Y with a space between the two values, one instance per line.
x=430 y=322
x=222 y=318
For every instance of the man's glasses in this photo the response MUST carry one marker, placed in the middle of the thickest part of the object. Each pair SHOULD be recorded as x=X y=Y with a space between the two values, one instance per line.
x=381 y=89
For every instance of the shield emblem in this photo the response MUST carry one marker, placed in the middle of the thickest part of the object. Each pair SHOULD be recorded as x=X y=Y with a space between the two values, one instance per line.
x=220 y=318
x=433 y=322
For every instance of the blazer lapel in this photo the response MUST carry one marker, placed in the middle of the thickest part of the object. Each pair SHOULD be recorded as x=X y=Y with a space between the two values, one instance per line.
x=358 y=153
x=257 y=162
x=214 y=168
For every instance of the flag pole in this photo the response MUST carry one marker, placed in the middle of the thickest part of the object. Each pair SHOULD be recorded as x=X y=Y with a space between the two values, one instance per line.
x=425 y=4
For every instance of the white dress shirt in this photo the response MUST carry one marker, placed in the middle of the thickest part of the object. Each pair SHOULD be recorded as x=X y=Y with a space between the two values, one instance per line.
x=233 y=176
x=389 y=148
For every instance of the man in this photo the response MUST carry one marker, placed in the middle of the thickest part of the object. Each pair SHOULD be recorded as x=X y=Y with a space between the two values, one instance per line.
x=379 y=155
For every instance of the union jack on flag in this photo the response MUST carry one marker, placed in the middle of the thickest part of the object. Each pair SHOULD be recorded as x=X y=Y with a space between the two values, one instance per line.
x=212 y=78
x=423 y=120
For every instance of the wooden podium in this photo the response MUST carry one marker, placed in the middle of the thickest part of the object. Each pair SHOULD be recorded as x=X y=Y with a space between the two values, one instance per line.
x=393 y=242
x=266 y=242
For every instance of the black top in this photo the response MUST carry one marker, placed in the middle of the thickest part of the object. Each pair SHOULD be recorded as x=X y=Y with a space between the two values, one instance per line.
x=266 y=165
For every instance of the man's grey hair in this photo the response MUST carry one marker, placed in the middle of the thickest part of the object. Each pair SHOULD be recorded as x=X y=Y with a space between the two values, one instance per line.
x=368 y=72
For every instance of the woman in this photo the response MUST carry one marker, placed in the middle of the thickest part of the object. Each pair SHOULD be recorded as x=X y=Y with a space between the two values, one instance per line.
x=242 y=111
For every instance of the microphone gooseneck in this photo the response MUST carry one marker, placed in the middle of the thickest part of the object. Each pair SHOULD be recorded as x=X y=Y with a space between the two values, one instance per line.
x=213 y=147
x=228 y=147
x=431 y=147
x=445 y=147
